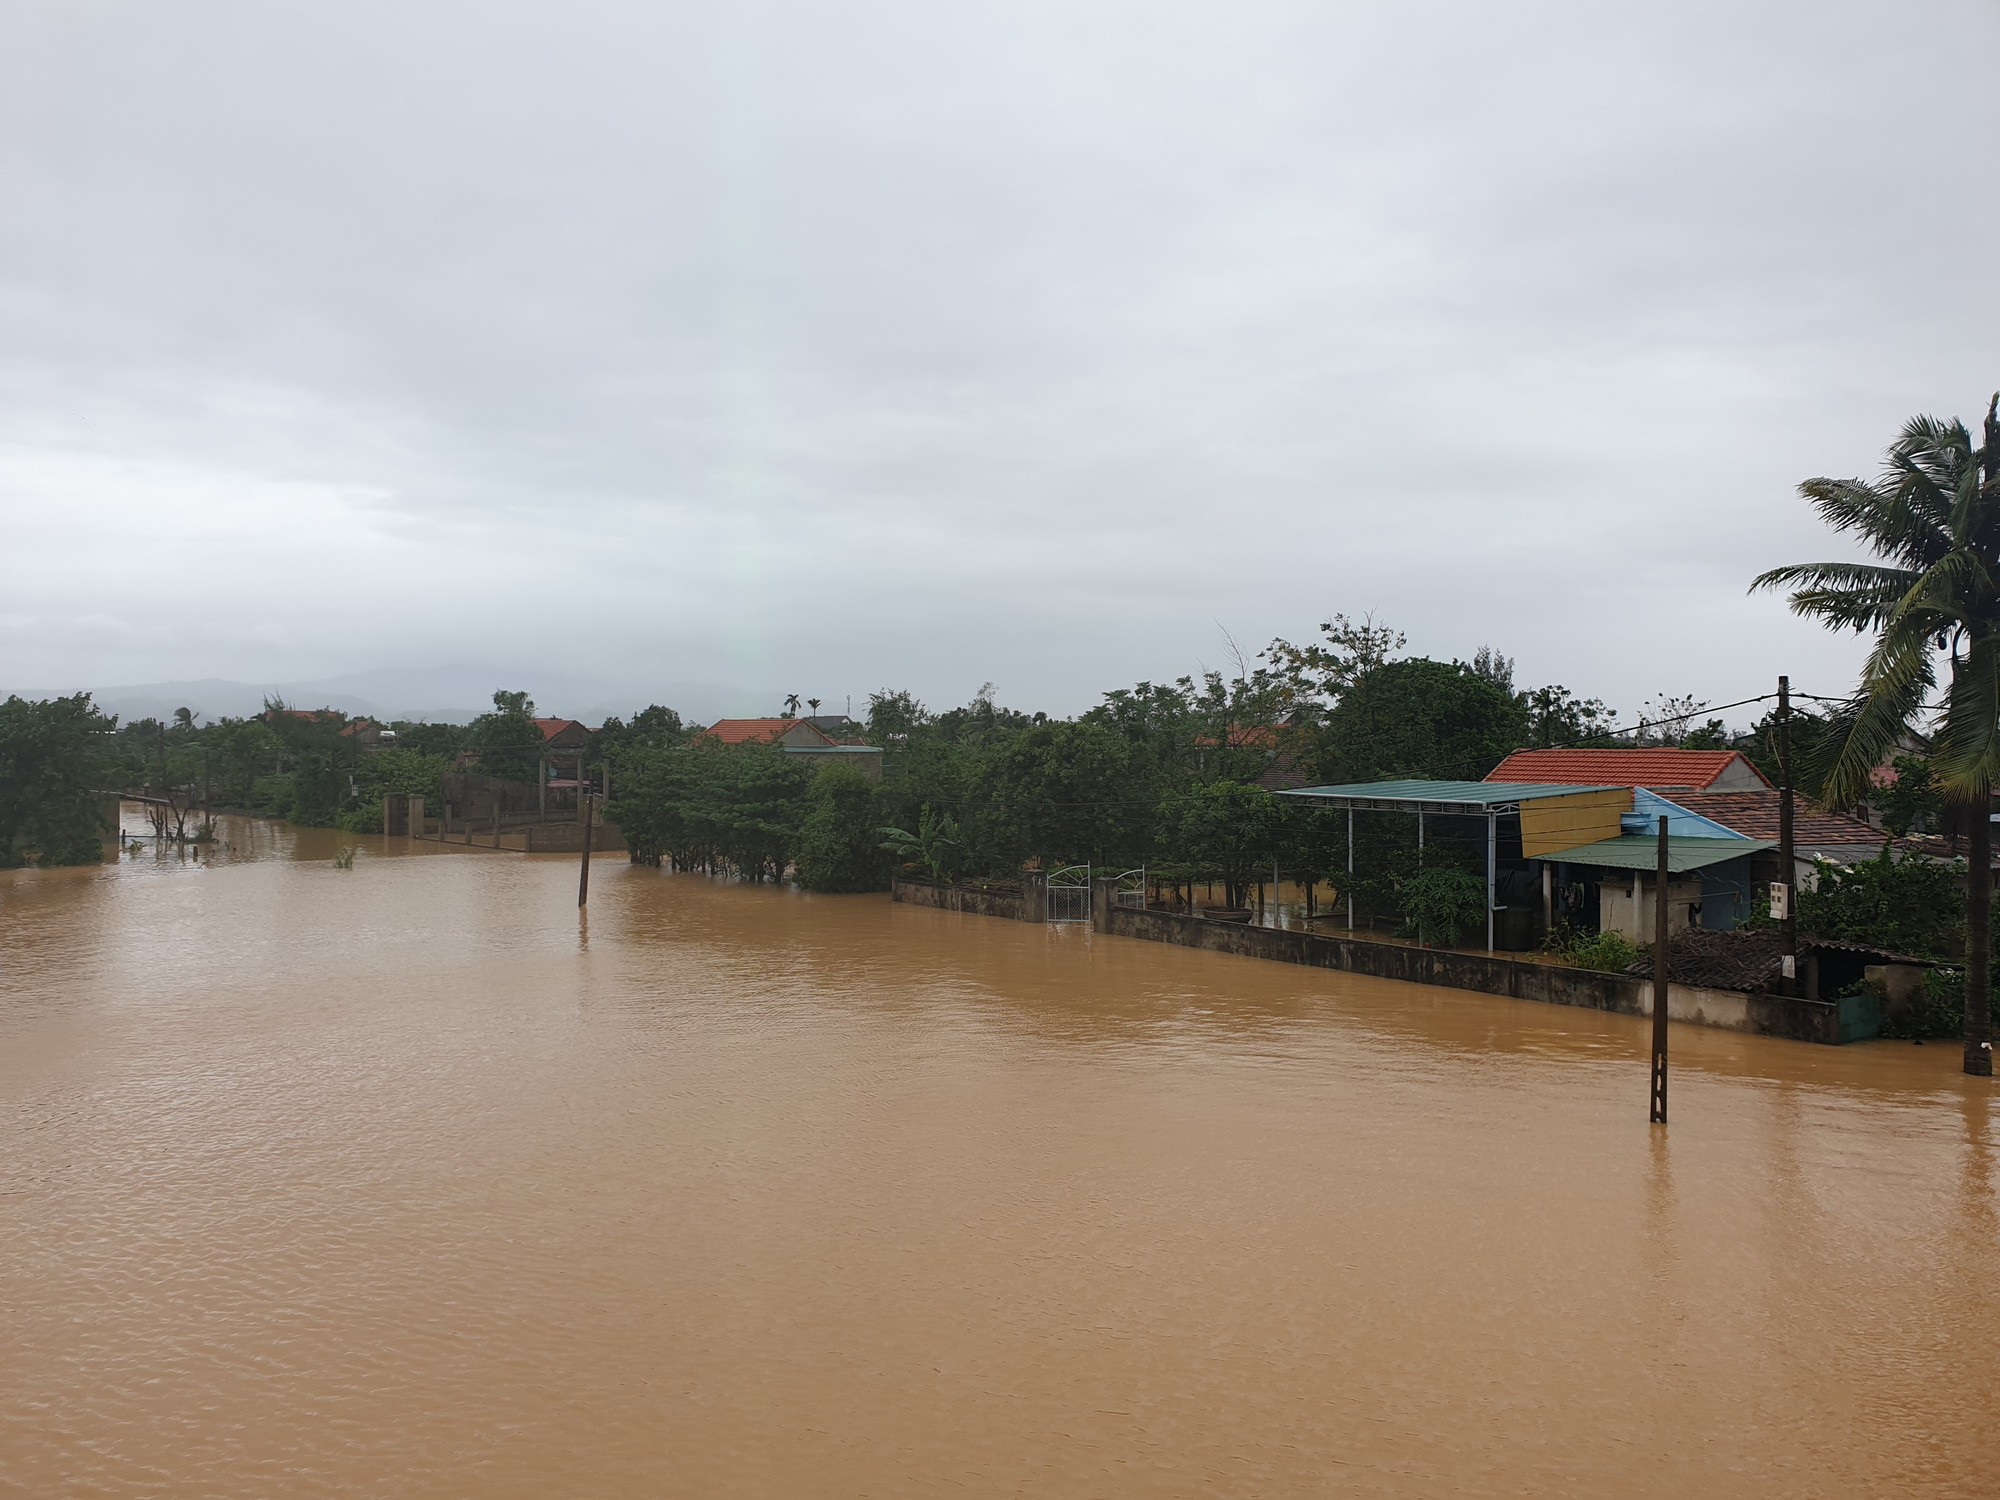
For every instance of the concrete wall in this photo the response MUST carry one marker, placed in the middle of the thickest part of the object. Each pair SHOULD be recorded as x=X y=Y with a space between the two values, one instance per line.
x=1552 y=984
x=1614 y=903
x=995 y=903
x=538 y=838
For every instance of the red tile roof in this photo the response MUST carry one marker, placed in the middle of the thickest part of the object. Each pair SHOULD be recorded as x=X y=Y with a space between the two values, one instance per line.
x=1755 y=816
x=759 y=731
x=1660 y=767
x=1240 y=737
x=550 y=728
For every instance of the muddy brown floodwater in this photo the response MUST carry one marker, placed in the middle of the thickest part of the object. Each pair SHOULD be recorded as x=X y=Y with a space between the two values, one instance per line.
x=395 y=1180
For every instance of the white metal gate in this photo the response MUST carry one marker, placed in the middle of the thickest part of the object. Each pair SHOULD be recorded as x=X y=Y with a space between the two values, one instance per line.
x=1069 y=894
x=1131 y=889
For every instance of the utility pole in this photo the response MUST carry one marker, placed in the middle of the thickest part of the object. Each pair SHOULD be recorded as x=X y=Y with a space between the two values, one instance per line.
x=583 y=877
x=1788 y=921
x=1658 y=1114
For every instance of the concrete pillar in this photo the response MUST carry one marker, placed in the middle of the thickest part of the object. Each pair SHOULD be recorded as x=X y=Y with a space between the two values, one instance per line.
x=416 y=817
x=386 y=820
x=1101 y=897
x=1034 y=895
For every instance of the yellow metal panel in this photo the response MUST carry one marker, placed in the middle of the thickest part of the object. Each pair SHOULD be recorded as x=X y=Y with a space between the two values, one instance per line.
x=1552 y=824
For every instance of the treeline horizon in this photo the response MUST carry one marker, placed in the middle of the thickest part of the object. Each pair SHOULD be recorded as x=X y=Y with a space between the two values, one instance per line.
x=1147 y=772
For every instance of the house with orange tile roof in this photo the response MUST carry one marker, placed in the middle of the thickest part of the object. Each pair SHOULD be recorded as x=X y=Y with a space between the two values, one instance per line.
x=799 y=734
x=796 y=736
x=1660 y=767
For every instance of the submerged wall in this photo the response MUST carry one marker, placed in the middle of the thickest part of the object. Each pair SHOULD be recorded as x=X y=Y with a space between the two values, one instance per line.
x=1552 y=984
x=995 y=901
x=1823 y=1021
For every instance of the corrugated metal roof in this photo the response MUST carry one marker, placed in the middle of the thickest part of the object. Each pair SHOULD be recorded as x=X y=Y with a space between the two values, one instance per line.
x=1642 y=852
x=1439 y=796
x=1648 y=807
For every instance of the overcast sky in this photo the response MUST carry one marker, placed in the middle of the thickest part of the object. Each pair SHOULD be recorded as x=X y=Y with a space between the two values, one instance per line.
x=820 y=347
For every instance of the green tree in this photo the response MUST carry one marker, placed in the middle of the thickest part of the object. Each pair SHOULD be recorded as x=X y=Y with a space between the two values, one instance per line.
x=653 y=725
x=507 y=741
x=1067 y=791
x=1420 y=718
x=51 y=766
x=1324 y=674
x=840 y=841
x=319 y=762
x=1912 y=800
x=1934 y=519
x=1311 y=842
x=1225 y=828
x=1808 y=735
x=1557 y=717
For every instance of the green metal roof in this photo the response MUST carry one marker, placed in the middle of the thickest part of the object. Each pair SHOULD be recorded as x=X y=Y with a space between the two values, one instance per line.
x=1467 y=797
x=1641 y=851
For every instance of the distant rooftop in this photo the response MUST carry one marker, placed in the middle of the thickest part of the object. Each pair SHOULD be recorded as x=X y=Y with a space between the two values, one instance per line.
x=761 y=731
x=1661 y=766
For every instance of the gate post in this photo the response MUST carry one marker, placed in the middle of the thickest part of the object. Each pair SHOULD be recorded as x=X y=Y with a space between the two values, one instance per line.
x=1034 y=895
x=1101 y=889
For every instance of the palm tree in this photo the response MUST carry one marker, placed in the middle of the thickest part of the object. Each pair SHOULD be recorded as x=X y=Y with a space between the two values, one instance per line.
x=1934 y=517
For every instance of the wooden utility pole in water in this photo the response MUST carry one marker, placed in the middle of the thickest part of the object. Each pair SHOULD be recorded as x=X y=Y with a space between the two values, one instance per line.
x=1659 y=1105
x=583 y=878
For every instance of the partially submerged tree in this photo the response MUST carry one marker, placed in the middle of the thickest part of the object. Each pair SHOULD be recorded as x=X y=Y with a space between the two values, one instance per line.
x=50 y=774
x=1934 y=519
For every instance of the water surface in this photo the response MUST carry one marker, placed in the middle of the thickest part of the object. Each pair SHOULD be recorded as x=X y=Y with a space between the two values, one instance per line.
x=401 y=1180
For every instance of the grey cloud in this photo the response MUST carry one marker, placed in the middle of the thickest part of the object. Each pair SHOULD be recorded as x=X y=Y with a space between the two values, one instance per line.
x=778 y=346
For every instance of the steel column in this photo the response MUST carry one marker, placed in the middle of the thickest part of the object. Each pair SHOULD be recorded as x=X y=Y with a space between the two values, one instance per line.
x=1492 y=871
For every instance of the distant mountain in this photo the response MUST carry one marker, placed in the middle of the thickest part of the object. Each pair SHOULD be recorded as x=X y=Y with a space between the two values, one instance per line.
x=440 y=695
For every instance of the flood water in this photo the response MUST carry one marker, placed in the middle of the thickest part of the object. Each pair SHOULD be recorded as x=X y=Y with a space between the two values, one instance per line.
x=399 y=1180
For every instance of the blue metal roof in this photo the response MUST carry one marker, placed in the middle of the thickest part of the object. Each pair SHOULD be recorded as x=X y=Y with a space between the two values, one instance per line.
x=1649 y=807
x=1476 y=798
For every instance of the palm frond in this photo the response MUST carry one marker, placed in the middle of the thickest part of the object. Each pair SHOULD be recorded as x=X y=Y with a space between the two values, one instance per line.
x=1851 y=596
x=1863 y=732
x=1836 y=575
x=1966 y=748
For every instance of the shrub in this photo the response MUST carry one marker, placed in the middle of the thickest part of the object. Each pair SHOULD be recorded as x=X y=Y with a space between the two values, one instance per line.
x=1936 y=1012
x=1439 y=905
x=1609 y=952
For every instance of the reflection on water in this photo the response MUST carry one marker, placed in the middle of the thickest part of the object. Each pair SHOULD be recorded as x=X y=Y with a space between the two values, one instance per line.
x=385 y=1180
